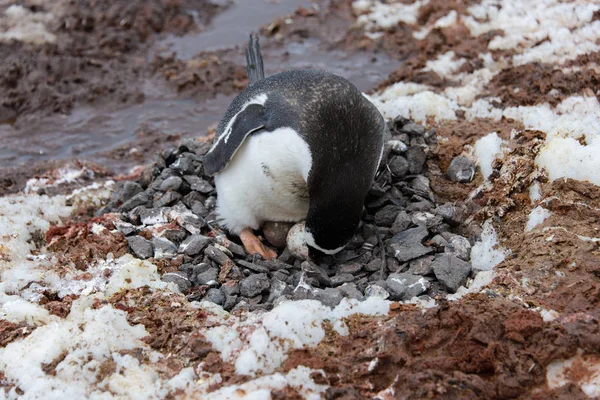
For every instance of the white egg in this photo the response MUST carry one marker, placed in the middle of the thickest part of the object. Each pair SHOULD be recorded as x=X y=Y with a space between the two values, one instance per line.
x=296 y=242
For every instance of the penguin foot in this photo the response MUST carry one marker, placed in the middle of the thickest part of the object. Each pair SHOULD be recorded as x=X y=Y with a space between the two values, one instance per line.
x=253 y=245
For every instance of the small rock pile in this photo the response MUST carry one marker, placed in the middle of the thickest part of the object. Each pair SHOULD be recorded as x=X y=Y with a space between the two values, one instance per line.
x=403 y=248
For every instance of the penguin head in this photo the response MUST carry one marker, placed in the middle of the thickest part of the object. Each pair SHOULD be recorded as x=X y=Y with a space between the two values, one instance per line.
x=329 y=228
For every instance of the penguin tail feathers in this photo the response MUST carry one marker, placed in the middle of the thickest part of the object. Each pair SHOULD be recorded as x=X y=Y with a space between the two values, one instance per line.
x=254 y=61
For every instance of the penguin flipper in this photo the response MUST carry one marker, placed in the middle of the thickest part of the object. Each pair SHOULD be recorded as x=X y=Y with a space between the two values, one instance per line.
x=248 y=121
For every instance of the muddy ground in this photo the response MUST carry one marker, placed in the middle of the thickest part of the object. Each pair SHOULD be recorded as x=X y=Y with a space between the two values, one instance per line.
x=492 y=345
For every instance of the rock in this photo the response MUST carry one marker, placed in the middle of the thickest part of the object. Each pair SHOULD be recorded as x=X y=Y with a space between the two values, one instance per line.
x=275 y=265
x=303 y=293
x=426 y=219
x=451 y=271
x=215 y=295
x=350 y=291
x=296 y=243
x=211 y=203
x=461 y=170
x=419 y=206
x=230 y=288
x=154 y=216
x=452 y=214
x=286 y=256
x=199 y=209
x=254 y=285
x=207 y=276
x=405 y=286
x=183 y=165
x=459 y=246
x=216 y=255
x=397 y=146
x=401 y=223
x=415 y=155
x=253 y=267
x=194 y=245
x=349 y=268
x=125 y=227
x=413 y=129
x=278 y=288
x=376 y=291
x=126 y=191
x=141 y=247
x=421 y=266
x=421 y=185
x=387 y=215
x=171 y=183
x=438 y=241
x=406 y=246
x=373 y=265
x=179 y=279
x=329 y=296
x=312 y=270
x=193 y=197
x=163 y=248
x=230 y=302
x=168 y=198
x=276 y=233
x=139 y=199
x=339 y=279
x=399 y=166
x=185 y=218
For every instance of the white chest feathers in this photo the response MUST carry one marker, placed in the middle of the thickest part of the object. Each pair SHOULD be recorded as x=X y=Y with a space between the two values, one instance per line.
x=265 y=181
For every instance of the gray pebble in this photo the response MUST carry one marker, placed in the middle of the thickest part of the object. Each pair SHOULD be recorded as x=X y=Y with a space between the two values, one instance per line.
x=451 y=271
x=183 y=165
x=397 y=146
x=137 y=200
x=387 y=215
x=125 y=227
x=420 y=184
x=154 y=216
x=166 y=199
x=350 y=291
x=192 y=197
x=199 y=208
x=399 y=166
x=179 y=279
x=419 y=206
x=413 y=129
x=171 y=183
x=216 y=255
x=230 y=302
x=278 y=288
x=426 y=219
x=421 y=266
x=438 y=241
x=253 y=267
x=163 y=248
x=407 y=245
x=349 y=268
x=339 y=279
x=376 y=291
x=209 y=275
x=406 y=286
x=461 y=170
x=373 y=265
x=415 y=155
x=194 y=245
x=141 y=247
x=401 y=223
x=216 y=296
x=329 y=296
x=314 y=271
x=127 y=190
x=254 y=285
x=459 y=246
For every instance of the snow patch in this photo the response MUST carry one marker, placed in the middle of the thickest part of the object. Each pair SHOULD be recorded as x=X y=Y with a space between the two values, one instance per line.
x=486 y=253
x=375 y=15
x=582 y=370
x=20 y=23
x=486 y=150
x=536 y=217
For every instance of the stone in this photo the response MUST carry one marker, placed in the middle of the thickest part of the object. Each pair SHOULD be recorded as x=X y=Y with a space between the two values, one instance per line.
x=163 y=248
x=426 y=219
x=405 y=286
x=254 y=285
x=416 y=157
x=339 y=279
x=401 y=223
x=211 y=203
x=183 y=165
x=194 y=245
x=421 y=185
x=166 y=199
x=376 y=291
x=438 y=241
x=126 y=191
x=216 y=255
x=215 y=295
x=154 y=216
x=278 y=288
x=419 y=206
x=275 y=265
x=329 y=296
x=230 y=302
x=349 y=268
x=276 y=233
x=199 y=208
x=451 y=271
x=461 y=169
x=253 y=267
x=303 y=293
x=421 y=266
x=193 y=197
x=198 y=184
x=399 y=167
x=171 y=183
x=207 y=276
x=374 y=265
x=350 y=291
x=397 y=146
x=286 y=256
x=141 y=247
x=406 y=246
x=139 y=199
x=459 y=246
x=312 y=270
x=387 y=215
x=178 y=278
x=185 y=218
x=450 y=213
x=125 y=227
x=413 y=129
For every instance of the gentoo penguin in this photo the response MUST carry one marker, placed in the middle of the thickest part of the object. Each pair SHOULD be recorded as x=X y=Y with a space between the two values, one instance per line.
x=298 y=145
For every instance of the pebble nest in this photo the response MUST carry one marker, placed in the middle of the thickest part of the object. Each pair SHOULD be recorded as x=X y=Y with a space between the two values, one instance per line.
x=405 y=246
